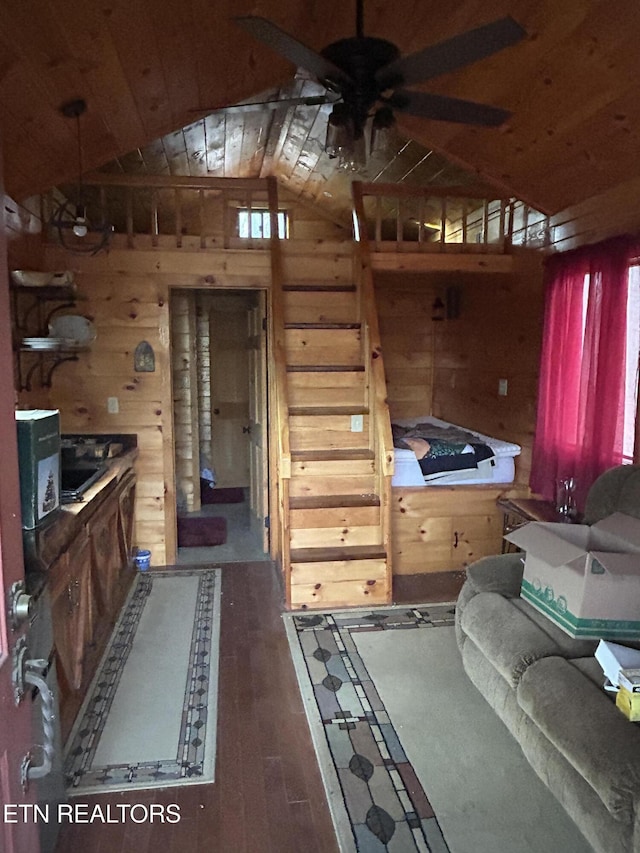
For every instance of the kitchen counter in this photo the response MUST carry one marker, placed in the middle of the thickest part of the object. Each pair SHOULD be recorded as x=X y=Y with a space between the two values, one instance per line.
x=43 y=545
x=83 y=555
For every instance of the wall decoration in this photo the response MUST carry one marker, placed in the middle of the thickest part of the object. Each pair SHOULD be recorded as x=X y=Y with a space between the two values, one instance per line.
x=144 y=359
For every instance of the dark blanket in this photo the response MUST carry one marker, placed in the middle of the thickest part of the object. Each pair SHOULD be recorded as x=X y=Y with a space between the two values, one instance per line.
x=448 y=447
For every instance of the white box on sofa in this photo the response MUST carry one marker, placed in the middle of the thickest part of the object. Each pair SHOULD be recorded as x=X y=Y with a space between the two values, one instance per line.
x=584 y=578
x=613 y=657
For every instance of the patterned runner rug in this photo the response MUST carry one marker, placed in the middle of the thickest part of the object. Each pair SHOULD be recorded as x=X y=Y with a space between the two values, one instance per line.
x=412 y=756
x=149 y=718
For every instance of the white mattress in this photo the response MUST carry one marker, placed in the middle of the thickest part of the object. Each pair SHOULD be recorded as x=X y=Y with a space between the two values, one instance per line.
x=500 y=469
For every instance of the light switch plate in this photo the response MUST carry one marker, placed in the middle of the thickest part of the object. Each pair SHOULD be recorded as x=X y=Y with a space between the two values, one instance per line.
x=357 y=423
x=113 y=407
x=503 y=387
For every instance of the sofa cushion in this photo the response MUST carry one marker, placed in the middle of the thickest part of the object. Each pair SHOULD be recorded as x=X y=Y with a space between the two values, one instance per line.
x=585 y=726
x=505 y=635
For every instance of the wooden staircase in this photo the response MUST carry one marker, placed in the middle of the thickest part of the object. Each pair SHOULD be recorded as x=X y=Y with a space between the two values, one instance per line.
x=337 y=550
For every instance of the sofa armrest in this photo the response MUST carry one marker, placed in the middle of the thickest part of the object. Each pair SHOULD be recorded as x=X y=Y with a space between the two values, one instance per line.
x=582 y=722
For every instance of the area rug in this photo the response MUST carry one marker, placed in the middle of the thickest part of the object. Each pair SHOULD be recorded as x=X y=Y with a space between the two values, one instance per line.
x=212 y=495
x=201 y=531
x=412 y=756
x=150 y=716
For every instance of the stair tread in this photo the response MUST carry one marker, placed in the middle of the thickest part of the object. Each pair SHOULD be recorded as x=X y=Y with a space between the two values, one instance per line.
x=347 y=552
x=328 y=410
x=331 y=455
x=325 y=368
x=319 y=288
x=333 y=501
x=325 y=326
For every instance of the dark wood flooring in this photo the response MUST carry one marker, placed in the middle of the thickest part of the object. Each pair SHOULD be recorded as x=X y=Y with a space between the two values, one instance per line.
x=268 y=795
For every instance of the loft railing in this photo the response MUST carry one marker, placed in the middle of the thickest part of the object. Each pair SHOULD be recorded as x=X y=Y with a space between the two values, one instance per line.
x=174 y=211
x=178 y=212
x=454 y=219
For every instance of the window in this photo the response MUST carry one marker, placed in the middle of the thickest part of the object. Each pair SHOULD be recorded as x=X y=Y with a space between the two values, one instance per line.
x=256 y=224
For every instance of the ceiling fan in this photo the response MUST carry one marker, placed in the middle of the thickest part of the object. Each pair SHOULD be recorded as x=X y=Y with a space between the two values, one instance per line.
x=365 y=77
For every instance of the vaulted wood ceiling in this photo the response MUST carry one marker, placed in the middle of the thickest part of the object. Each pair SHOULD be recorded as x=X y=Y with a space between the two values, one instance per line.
x=152 y=70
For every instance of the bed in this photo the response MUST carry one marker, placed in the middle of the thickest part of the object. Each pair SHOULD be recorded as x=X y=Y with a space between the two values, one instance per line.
x=456 y=519
x=450 y=455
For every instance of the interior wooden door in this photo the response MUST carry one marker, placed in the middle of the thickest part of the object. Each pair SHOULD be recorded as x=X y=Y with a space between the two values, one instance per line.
x=258 y=422
x=18 y=829
x=229 y=389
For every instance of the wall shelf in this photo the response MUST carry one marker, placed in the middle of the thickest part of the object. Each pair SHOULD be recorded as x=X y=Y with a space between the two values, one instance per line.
x=32 y=311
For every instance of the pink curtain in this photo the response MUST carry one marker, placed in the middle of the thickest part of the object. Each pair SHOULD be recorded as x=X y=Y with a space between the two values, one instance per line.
x=579 y=429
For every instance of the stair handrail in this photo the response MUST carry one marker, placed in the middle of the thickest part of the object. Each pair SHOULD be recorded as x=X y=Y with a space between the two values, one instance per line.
x=379 y=417
x=279 y=420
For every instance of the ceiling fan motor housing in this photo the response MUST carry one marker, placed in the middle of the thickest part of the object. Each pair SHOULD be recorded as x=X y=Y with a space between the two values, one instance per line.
x=360 y=59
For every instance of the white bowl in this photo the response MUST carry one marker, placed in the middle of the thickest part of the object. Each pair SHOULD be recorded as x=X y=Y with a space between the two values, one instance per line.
x=76 y=330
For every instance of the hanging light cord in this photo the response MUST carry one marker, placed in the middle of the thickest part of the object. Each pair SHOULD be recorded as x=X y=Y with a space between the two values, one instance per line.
x=80 y=202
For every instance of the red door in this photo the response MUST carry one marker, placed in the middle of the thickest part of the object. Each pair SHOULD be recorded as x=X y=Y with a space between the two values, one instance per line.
x=18 y=830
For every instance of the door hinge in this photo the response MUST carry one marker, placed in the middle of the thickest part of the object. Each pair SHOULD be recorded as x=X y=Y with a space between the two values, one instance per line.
x=264 y=324
x=267 y=522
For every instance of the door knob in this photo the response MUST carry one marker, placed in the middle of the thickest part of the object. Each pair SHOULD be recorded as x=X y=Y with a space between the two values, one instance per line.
x=20 y=604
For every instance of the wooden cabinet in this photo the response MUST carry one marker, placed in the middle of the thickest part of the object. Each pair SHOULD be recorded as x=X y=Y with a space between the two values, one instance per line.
x=72 y=609
x=444 y=528
x=88 y=581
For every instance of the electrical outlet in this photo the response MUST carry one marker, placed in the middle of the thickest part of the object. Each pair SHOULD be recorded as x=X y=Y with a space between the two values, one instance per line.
x=357 y=423
x=113 y=407
x=503 y=386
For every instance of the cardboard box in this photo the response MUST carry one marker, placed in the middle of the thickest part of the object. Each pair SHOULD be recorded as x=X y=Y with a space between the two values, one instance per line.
x=629 y=704
x=586 y=579
x=613 y=658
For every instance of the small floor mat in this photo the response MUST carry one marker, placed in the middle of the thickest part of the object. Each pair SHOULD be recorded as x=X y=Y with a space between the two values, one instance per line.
x=201 y=532
x=209 y=495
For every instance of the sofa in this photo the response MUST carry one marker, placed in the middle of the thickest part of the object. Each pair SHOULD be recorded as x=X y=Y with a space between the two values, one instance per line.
x=548 y=688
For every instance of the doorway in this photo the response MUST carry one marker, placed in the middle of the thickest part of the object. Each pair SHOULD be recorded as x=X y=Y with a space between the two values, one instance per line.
x=219 y=379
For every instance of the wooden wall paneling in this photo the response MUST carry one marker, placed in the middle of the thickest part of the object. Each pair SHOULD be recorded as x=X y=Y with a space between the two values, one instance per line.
x=407 y=334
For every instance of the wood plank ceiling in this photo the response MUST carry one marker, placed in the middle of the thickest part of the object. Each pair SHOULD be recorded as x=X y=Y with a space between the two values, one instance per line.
x=151 y=72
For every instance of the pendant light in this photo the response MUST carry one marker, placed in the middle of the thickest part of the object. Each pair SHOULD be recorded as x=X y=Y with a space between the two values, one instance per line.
x=77 y=232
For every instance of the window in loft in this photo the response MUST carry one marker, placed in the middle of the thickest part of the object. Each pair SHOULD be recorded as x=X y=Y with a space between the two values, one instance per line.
x=256 y=224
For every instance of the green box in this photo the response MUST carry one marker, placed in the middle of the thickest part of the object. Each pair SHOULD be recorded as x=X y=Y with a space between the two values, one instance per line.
x=39 y=463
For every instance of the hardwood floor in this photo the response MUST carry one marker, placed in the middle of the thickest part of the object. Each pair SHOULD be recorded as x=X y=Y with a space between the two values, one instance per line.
x=268 y=795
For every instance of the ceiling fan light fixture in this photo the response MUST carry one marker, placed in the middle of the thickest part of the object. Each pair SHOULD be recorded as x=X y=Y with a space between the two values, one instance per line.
x=355 y=158
x=80 y=227
x=340 y=131
x=381 y=124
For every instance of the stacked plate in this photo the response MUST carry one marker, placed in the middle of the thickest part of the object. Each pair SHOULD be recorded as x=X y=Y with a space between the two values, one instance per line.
x=42 y=344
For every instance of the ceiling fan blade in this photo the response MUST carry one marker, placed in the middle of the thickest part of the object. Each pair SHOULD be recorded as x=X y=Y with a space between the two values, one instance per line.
x=293 y=50
x=442 y=108
x=451 y=54
x=273 y=104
